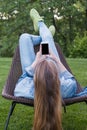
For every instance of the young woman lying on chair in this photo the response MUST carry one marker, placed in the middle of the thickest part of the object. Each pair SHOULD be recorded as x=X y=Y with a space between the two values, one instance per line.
x=44 y=77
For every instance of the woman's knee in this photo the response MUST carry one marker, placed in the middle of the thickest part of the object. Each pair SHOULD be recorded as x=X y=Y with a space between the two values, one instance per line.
x=24 y=40
x=24 y=36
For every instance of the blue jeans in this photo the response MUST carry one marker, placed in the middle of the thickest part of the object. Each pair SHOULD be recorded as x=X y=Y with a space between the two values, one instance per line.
x=27 y=55
x=27 y=43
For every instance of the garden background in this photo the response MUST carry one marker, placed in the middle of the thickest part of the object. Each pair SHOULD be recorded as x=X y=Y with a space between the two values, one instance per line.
x=70 y=20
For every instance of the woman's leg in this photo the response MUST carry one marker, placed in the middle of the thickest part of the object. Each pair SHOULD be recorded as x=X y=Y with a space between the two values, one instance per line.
x=47 y=37
x=43 y=30
x=27 y=54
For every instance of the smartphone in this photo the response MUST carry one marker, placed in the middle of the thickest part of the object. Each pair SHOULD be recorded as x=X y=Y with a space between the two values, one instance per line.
x=45 y=48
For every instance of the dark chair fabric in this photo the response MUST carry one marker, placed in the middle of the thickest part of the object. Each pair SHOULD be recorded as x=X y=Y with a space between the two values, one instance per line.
x=14 y=74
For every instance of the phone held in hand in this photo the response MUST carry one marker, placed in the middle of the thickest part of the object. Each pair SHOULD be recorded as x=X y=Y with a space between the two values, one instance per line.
x=45 y=48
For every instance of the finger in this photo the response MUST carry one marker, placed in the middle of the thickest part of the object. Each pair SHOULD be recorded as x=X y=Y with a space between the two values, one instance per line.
x=40 y=48
x=51 y=52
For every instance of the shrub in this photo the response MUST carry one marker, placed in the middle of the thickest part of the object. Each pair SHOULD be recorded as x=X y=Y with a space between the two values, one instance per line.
x=8 y=46
x=79 y=48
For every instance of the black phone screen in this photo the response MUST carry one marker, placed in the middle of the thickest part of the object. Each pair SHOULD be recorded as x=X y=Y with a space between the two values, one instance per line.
x=45 y=49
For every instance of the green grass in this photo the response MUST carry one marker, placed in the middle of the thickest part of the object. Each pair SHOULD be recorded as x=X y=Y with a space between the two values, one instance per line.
x=22 y=118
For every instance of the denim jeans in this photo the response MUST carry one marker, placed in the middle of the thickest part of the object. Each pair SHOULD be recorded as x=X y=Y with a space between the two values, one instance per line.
x=27 y=42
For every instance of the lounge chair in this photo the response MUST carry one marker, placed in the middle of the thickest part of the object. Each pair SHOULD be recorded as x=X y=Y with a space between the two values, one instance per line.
x=14 y=74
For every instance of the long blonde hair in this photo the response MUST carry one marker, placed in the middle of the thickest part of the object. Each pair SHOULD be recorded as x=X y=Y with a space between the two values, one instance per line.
x=47 y=101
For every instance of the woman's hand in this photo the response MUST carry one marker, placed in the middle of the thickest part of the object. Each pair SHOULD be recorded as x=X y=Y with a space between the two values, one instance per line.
x=39 y=56
x=61 y=67
x=53 y=56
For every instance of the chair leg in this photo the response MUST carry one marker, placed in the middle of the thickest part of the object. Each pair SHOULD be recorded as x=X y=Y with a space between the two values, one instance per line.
x=86 y=101
x=9 y=114
x=64 y=109
x=64 y=105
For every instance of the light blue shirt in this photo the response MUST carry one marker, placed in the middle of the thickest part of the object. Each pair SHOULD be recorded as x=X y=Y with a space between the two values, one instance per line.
x=25 y=84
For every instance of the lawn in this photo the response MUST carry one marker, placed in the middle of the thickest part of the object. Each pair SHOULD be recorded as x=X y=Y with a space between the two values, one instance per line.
x=22 y=118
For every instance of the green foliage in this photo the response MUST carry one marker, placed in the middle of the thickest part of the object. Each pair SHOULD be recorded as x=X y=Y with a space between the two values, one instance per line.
x=8 y=46
x=71 y=19
x=13 y=23
x=79 y=48
x=15 y=20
